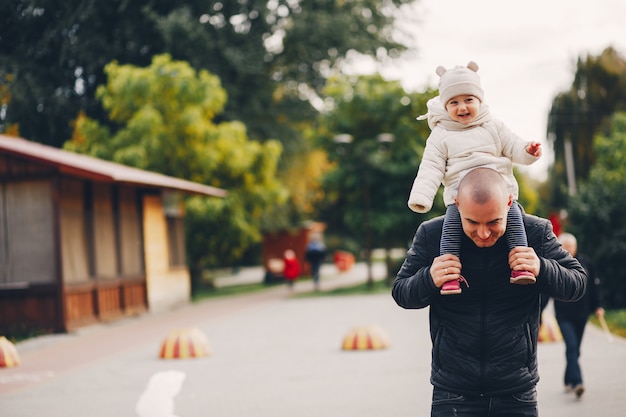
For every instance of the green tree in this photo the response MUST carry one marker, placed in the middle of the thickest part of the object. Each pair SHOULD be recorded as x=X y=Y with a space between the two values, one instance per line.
x=163 y=117
x=272 y=58
x=580 y=113
x=269 y=55
x=366 y=193
x=55 y=52
x=596 y=212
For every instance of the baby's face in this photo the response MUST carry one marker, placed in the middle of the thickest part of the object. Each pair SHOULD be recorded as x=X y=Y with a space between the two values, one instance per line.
x=463 y=108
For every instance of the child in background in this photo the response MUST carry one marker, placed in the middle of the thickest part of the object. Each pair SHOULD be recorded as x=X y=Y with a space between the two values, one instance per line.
x=292 y=267
x=464 y=136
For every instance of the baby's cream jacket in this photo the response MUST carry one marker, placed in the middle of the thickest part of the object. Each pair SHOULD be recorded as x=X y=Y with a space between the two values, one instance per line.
x=454 y=149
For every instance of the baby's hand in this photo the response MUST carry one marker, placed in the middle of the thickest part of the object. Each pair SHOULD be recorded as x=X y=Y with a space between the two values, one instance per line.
x=534 y=149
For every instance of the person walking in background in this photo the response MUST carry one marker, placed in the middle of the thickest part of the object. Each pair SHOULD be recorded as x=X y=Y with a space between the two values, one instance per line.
x=465 y=136
x=484 y=341
x=315 y=253
x=572 y=318
x=292 y=268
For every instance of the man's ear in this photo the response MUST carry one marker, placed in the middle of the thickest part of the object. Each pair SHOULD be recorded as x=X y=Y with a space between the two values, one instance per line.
x=510 y=202
x=456 y=201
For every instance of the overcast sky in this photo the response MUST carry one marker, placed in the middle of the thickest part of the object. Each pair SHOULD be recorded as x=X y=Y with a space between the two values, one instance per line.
x=526 y=51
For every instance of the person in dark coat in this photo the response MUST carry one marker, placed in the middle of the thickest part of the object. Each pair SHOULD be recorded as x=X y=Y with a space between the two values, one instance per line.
x=314 y=254
x=484 y=340
x=572 y=318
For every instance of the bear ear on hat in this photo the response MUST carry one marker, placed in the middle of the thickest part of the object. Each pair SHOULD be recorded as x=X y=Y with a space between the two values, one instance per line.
x=473 y=66
x=440 y=70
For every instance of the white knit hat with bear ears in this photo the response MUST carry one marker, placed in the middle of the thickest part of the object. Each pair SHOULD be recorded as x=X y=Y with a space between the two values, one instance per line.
x=459 y=80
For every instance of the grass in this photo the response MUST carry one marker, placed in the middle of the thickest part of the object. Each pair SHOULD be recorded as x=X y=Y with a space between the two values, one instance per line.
x=18 y=333
x=378 y=287
x=207 y=292
x=213 y=292
x=615 y=320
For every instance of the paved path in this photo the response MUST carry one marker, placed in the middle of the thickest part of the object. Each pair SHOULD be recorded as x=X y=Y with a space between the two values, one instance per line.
x=275 y=355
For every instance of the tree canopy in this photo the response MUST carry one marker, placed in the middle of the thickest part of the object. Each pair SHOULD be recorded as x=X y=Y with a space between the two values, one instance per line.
x=370 y=134
x=372 y=137
x=577 y=115
x=596 y=212
x=272 y=58
x=271 y=55
x=163 y=117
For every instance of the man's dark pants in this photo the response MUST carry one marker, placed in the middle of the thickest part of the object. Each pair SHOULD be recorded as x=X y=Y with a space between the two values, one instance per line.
x=448 y=404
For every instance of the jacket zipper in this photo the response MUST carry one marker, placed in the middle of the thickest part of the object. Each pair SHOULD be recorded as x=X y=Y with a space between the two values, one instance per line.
x=482 y=333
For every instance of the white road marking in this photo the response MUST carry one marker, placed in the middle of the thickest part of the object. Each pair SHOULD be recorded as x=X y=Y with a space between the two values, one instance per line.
x=157 y=400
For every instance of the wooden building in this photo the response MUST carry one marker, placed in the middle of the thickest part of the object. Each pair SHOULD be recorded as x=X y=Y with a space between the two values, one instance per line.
x=84 y=240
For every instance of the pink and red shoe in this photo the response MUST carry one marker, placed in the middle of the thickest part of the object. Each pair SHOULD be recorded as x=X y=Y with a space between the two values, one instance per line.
x=522 y=277
x=454 y=286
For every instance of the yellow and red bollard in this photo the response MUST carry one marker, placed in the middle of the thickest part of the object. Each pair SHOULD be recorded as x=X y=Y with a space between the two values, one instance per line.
x=365 y=338
x=549 y=331
x=8 y=354
x=185 y=343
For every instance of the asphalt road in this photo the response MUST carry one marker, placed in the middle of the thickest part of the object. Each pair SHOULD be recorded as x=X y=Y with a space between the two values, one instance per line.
x=272 y=355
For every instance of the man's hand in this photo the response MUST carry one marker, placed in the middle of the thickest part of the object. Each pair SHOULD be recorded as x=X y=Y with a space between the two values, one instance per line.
x=445 y=268
x=524 y=258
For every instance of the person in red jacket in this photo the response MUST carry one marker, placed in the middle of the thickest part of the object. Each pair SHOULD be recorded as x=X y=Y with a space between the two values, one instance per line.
x=292 y=267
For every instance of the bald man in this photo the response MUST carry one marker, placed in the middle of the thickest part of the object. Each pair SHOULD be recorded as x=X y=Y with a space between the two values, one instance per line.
x=484 y=358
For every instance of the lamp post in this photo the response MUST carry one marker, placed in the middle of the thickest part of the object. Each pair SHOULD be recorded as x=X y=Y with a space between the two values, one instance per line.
x=364 y=163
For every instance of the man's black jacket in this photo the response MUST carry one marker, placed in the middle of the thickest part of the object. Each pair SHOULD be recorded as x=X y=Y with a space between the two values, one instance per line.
x=485 y=339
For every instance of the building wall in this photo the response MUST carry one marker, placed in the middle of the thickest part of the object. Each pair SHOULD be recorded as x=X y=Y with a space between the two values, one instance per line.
x=275 y=244
x=75 y=249
x=166 y=286
x=99 y=231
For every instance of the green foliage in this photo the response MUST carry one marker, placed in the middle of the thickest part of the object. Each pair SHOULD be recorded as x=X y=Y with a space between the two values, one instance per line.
x=19 y=332
x=596 y=213
x=56 y=52
x=266 y=53
x=377 y=287
x=616 y=321
x=163 y=122
x=302 y=176
x=580 y=113
x=528 y=195
x=272 y=58
x=202 y=294
x=369 y=187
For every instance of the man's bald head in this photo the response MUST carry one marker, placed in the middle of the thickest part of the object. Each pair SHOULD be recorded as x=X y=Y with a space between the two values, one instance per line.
x=483 y=201
x=481 y=185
